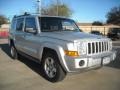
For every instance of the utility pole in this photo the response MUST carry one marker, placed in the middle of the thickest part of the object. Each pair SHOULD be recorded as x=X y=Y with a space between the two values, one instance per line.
x=57 y=7
x=58 y=3
x=39 y=7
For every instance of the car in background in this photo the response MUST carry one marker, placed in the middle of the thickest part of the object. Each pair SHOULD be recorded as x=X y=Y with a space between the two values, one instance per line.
x=114 y=33
x=96 y=32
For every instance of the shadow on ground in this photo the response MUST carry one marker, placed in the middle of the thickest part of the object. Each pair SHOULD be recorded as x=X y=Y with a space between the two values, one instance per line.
x=5 y=48
x=116 y=62
x=31 y=64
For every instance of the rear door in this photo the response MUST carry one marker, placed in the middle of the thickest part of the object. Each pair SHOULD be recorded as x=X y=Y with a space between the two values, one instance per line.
x=19 y=34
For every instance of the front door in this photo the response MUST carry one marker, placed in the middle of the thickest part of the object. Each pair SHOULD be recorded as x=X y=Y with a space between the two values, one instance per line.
x=31 y=38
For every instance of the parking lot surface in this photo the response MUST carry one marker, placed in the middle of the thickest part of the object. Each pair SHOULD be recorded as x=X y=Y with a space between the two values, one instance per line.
x=24 y=74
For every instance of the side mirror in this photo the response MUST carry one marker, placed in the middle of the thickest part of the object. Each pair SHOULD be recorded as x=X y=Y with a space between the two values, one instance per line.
x=30 y=30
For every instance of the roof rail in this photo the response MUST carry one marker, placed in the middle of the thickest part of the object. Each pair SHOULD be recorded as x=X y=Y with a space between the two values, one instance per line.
x=25 y=14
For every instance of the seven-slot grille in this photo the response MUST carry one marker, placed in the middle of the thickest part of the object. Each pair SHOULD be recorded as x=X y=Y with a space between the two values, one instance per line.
x=98 y=47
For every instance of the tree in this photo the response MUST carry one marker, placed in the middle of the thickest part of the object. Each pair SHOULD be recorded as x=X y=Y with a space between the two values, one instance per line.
x=113 y=16
x=3 y=20
x=98 y=23
x=57 y=10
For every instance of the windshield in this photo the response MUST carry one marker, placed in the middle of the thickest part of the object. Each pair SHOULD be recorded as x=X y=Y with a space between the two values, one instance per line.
x=49 y=24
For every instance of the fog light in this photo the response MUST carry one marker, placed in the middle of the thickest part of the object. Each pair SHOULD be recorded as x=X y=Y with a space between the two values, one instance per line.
x=82 y=62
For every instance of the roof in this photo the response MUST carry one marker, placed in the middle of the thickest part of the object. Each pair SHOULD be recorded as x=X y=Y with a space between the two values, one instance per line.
x=39 y=15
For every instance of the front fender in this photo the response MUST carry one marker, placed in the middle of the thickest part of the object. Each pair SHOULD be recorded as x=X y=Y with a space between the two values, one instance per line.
x=59 y=50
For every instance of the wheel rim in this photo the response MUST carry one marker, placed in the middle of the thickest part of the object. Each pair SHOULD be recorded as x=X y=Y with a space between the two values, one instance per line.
x=12 y=51
x=50 y=67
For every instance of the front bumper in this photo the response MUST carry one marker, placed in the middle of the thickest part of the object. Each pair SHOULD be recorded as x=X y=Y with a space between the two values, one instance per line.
x=89 y=62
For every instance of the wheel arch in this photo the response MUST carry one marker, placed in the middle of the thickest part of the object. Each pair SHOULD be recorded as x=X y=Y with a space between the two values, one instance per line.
x=58 y=50
x=11 y=42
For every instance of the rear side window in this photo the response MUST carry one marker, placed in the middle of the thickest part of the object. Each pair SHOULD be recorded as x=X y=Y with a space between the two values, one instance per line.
x=30 y=23
x=19 y=26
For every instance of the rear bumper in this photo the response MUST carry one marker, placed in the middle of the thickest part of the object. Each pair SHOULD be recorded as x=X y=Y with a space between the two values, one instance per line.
x=89 y=62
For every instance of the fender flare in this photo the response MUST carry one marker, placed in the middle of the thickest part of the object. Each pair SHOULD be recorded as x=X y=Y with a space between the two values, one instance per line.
x=59 y=50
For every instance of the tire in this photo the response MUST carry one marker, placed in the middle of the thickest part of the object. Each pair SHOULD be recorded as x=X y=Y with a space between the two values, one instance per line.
x=13 y=52
x=51 y=67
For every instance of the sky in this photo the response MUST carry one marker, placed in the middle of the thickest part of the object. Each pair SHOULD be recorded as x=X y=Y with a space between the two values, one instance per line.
x=86 y=11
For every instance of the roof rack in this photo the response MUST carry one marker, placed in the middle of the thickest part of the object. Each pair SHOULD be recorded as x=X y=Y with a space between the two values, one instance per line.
x=25 y=14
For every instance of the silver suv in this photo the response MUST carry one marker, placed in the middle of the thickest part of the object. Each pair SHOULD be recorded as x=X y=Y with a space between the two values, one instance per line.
x=58 y=45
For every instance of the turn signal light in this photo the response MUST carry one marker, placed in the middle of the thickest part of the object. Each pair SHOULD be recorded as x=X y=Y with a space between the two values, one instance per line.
x=71 y=53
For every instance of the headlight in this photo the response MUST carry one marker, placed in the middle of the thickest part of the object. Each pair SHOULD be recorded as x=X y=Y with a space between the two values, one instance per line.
x=82 y=48
x=71 y=50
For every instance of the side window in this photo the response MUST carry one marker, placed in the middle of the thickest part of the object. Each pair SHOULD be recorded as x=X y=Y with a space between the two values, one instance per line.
x=19 y=26
x=30 y=23
x=13 y=25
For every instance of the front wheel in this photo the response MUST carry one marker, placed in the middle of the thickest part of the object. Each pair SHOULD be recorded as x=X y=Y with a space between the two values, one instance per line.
x=52 y=68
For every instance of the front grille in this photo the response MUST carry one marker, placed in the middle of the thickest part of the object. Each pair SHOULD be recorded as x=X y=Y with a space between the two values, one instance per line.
x=97 y=47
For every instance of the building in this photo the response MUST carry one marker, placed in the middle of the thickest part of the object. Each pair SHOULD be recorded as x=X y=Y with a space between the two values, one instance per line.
x=4 y=29
x=88 y=27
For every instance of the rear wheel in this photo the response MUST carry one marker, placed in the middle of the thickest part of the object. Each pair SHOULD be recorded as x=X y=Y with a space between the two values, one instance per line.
x=13 y=52
x=52 y=68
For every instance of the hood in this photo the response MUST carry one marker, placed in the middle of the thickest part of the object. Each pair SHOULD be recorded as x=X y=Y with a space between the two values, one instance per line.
x=71 y=36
